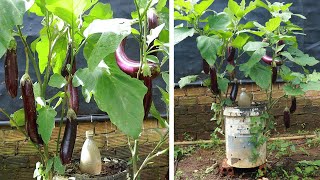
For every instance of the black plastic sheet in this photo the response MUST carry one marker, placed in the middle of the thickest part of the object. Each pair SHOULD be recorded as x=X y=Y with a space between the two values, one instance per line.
x=188 y=60
x=32 y=25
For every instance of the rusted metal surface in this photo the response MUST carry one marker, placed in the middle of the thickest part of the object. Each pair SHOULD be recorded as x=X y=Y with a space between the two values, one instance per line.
x=239 y=149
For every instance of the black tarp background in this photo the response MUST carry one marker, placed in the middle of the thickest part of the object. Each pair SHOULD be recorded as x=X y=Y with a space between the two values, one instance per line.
x=32 y=25
x=188 y=60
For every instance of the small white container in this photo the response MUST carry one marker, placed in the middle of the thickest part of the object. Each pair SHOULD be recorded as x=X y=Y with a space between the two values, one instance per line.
x=90 y=160
x=244 y=99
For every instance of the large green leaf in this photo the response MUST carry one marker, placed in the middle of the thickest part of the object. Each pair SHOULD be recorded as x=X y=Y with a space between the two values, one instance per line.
x=58 y=53
x=11 y=14
x=273 y=24
x=208 y=47
x=43 y=51
x=99 y=11
x=182 y=33
x=292 y=91
x=18 y=117
x=117 y=94
x=186 y=80
x=234 y=7
x=301 y=58
x=254 y=59
x=57 y=80
x=253 y=46
x=202 y=6
x=103 y=38
x=223 y=84
x=240 y=40
x=161 y=4
x=46 y=122
x=219 y=21
x=38 y=8
x=311 y=86
x=69 y=10
x=261 y=75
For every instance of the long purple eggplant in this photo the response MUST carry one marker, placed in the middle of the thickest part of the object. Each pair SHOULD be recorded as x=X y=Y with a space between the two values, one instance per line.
x=74 y=97
x=11 y=72
x=286 y=118
x=205 y=66
x=267 y=59
x=293 y=106
x=29 y=106
x=214 y=81
x=274 y=74
x=231 y=54
x=130 y=66
x=69 y=137
x=230 y=59
x=234 y=90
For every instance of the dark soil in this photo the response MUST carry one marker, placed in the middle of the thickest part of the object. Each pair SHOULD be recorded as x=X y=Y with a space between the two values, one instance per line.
x=203 y=163
x=110 y=167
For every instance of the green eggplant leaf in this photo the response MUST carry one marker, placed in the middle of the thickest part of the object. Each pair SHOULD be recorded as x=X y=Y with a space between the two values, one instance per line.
x=57 y=81
x=103 y=38
x=208 y=47
x=46 y=122
x=12 y=12
x=117 y=94
x=69 y=10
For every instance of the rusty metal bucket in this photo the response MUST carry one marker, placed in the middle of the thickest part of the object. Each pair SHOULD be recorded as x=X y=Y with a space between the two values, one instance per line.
x=237 y=132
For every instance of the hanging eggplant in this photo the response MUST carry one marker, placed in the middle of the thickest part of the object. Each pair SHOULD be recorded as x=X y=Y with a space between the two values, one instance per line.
x=205 y=66
x=30 y=111
x=267 y=59
x=286 y=118
x=231 y=54
x=214 y=81
x=11 y=72
x=69 y=137
x=234 y=90
x=130 y=66
x=274 y=74
x=293 y=106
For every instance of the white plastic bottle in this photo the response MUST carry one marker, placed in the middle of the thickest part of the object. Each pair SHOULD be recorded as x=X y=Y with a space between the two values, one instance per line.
x=90 y=160
x=244 y=99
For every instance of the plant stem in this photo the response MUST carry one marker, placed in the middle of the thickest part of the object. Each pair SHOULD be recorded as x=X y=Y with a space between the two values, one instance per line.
x=33 y=60
x=48 y=69
x=143 y=37
x=153 y=154
x=135 y=158
x=27 y=61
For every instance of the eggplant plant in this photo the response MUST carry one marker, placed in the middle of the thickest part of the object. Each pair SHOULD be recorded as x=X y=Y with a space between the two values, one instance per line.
x=71 y=27
x=224 y=38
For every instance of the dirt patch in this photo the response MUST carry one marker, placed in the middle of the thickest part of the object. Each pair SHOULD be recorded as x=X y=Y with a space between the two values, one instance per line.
x=111 y=168
x=281 y=163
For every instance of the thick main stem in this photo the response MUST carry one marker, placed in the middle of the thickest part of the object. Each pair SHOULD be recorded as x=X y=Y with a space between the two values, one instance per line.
x=135 y=159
